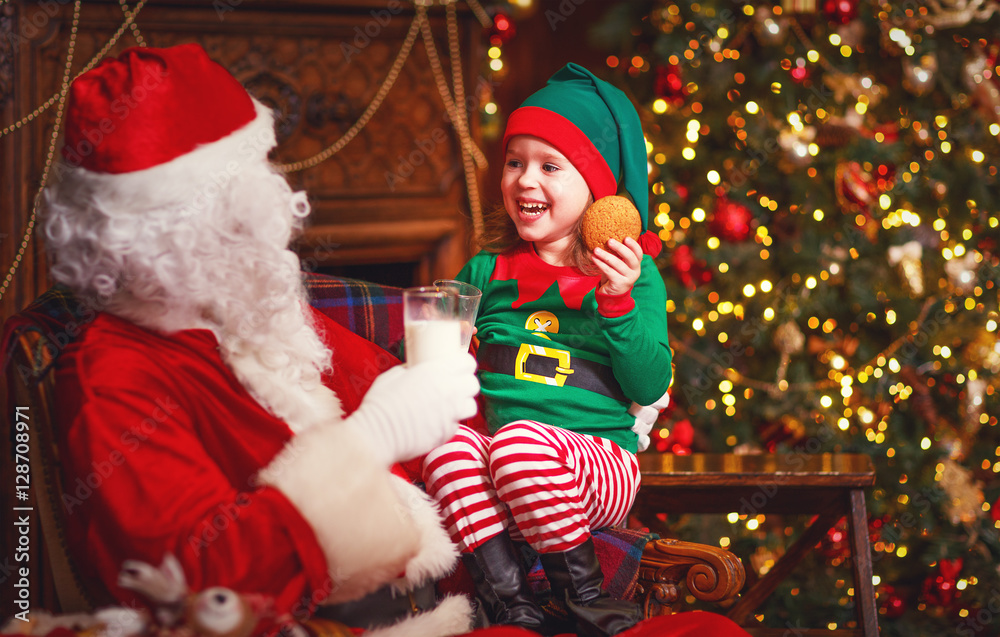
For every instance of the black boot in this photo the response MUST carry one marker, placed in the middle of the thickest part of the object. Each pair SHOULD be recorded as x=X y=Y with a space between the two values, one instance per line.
x=576 y=578
x=501 y=585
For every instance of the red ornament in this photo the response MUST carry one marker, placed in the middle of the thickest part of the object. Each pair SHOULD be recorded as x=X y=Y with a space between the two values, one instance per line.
x=730 y=220
x=890 y=603
x=682 y=191
x=502 y=30
x=986 y=244
x=836 y=545
x=942 y=589
x=668 y=85
x=889 y=132
x=980 y=74
x=840 y=11
x=885 y=176
x=691 y=271
x=800 y=72
x=995 y=511
x=679 y=441
x=856 y=189
x=875 y=526
x=788 y=430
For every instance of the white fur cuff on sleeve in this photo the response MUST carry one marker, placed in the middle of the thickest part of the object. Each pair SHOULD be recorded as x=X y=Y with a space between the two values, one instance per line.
x=333 y=479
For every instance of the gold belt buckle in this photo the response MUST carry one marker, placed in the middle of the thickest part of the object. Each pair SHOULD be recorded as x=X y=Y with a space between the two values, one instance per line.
x=562 y=357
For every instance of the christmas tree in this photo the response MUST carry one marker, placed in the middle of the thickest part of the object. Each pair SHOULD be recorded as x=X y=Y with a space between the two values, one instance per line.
x=825 y=183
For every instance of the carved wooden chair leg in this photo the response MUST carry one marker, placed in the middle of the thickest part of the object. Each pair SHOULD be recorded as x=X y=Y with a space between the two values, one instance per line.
x=709 y=573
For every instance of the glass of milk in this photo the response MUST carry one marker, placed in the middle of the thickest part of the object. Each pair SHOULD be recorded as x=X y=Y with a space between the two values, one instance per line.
x=431 y=322
x=468 y=305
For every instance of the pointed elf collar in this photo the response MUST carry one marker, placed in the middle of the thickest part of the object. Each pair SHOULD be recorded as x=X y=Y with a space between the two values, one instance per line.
x=534 y=276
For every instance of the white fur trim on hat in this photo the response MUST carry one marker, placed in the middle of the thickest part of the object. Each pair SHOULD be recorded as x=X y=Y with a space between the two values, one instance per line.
x=214 y=163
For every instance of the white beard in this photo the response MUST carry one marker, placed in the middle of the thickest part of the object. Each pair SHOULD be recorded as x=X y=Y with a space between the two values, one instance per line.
x=258 y=313
x=277 y=364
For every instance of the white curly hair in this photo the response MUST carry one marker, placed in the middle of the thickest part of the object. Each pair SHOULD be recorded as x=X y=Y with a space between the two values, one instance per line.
x=201 y=242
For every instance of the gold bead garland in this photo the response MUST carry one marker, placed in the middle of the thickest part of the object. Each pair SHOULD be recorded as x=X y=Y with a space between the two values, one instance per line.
x=373 y=106
x=59 y=98
x=50 y=155
x=141 y=41
x=484 y=19
x=452 y=105
x=462 y=123
x=47 y=104
x=472 y=156
x=455 y=110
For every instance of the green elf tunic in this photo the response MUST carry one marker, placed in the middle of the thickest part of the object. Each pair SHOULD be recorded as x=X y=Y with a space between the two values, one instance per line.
x=553 y=350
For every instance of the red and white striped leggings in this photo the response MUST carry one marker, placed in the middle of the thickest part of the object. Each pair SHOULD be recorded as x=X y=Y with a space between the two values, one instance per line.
x=557 y=485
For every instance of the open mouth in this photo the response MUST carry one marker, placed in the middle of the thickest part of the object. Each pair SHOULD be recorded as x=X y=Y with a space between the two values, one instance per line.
x=533 y=209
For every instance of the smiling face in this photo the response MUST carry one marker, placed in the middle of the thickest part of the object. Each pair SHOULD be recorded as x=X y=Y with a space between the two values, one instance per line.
x=545 y=196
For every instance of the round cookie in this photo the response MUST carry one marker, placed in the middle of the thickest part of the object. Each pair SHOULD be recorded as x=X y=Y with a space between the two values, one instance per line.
x=612 y=217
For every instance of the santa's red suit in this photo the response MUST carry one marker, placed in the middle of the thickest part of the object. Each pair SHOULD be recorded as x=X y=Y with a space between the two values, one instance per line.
x=162 y=445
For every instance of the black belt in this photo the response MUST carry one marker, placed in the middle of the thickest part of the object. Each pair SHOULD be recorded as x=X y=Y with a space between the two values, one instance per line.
x=385 y=606
x=549 y=366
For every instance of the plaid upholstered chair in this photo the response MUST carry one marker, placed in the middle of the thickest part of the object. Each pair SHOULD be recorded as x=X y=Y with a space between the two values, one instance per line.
x=636 y=564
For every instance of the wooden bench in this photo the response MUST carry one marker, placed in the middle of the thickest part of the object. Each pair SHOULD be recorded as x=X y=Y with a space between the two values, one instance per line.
x=829 y=486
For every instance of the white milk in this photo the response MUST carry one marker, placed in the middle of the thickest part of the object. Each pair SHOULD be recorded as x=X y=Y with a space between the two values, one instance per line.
x=427 y=340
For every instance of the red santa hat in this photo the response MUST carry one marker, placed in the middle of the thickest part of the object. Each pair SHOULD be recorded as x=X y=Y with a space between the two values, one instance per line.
x=153 y=107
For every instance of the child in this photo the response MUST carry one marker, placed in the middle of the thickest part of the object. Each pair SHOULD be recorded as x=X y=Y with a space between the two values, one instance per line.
x=568 y=339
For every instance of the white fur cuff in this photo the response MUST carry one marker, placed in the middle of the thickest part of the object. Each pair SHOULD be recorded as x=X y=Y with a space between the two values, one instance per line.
x=453 y=616
x=366 y=533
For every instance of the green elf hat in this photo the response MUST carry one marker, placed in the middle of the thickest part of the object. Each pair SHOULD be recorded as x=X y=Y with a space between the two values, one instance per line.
x=595 y=126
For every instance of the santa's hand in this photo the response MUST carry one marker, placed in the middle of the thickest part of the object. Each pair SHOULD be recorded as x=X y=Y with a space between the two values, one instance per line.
x=410 y=410
x=645 y=418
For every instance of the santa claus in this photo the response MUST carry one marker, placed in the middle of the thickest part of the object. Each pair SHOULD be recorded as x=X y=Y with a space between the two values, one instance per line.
x=207 y=389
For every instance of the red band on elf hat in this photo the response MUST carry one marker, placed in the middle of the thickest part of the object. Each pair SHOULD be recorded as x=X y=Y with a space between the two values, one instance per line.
x=150 y=106
x=568 y=140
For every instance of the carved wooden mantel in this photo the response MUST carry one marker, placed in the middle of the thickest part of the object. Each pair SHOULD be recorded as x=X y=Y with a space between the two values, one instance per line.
x=395 y=194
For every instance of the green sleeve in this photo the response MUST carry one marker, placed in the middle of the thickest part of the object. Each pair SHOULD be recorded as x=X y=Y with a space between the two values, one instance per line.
x=478 y=269
x=640 y=350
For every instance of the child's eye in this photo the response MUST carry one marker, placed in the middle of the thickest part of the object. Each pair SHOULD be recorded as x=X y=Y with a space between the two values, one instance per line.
x=550 y=168
x=513 y=163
